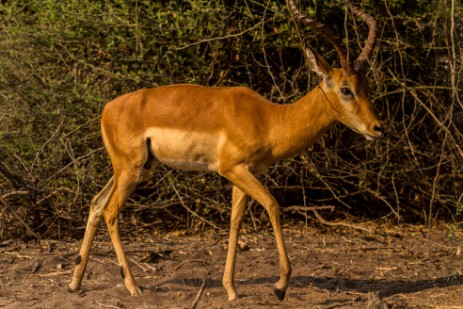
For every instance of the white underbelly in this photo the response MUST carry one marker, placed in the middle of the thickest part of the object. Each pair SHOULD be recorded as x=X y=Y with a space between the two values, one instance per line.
x=190 y=151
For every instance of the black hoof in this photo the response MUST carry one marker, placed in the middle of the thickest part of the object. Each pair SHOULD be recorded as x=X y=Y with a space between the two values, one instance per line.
x=79 y=292
x=280 y=294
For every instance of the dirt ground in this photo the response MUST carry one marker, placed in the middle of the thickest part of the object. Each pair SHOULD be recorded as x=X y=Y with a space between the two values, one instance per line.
x=332 y=268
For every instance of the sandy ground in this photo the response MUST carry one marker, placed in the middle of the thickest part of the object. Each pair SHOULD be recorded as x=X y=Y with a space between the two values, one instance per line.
x=332 y=268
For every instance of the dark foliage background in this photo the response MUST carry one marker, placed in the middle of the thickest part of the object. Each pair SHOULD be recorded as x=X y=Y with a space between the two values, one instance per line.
x=60 y=61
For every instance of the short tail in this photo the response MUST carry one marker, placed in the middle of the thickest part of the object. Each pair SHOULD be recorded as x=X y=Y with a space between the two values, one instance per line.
x=150 y=158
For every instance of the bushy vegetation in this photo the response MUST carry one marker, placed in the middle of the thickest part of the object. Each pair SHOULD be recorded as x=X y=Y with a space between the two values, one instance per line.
x=61 y=61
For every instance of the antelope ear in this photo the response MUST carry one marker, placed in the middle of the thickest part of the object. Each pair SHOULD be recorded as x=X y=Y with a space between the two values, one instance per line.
x=318 y=64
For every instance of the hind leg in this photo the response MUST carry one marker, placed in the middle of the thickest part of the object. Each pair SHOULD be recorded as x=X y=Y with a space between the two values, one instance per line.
x=128 y=175
x=126 y=183
x=97 y=205
x=107 y=204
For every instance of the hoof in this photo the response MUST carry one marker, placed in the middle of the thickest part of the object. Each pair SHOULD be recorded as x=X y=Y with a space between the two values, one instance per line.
x=233 y=297
x=280 y=294
x=231 y=292
x=73 y=290
x=135 y=292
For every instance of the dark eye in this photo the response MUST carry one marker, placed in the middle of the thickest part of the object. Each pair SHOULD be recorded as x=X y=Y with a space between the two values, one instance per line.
x=346 y=91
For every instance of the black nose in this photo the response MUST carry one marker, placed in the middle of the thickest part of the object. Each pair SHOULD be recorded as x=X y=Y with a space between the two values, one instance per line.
x=378 y=128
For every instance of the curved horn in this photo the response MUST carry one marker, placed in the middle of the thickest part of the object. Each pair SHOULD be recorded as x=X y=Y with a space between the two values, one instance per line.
x=361 y=62
x=313 y=23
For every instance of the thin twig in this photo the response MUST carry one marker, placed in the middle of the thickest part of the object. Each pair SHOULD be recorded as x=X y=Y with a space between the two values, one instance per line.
x=339 y=223
x=57 y=273
x=14 y=193
x=220 y=37
x=139 y=265
x=29 y=231
x=198 y=296
x=46 y=182
x=191 y=211
x=39 y=152
x=308 y=208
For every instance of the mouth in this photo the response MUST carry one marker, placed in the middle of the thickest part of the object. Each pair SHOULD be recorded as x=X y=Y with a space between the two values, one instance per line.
x=368 y=136
x=371 y=137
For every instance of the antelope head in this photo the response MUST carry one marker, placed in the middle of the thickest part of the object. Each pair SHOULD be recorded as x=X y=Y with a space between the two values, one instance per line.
x=345 y=89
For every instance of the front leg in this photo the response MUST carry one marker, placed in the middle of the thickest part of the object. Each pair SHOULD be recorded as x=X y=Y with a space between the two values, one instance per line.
x=239 y=202
x=242 y=178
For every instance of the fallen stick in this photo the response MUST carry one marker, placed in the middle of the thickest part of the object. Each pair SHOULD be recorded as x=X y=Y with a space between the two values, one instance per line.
x=308 y=208
x=198 y=296
x=314 y=209
x=322 y=220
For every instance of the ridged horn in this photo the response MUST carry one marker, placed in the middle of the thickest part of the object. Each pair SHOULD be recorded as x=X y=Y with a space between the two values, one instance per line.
x=361 y=62
x=325 y=32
